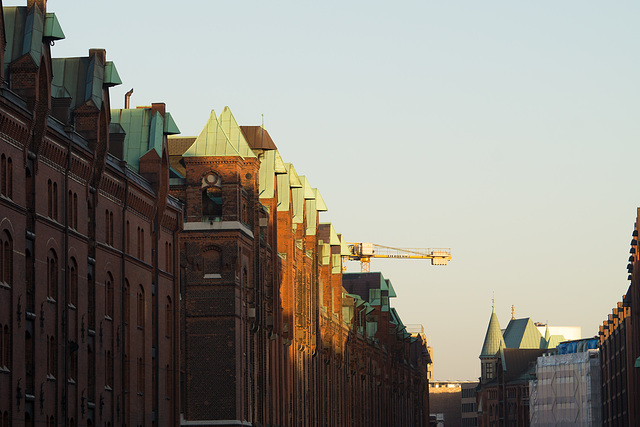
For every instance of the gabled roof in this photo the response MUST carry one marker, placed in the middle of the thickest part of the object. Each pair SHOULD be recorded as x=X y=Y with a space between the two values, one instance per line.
x=522 y=333
x=215 y=141
x=258 y=138
x=144 y=132
x=82 y=79
x=518 y=364
x=493 y=340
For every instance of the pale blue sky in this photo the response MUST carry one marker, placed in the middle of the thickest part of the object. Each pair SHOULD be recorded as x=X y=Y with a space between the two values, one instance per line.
x=505 y=130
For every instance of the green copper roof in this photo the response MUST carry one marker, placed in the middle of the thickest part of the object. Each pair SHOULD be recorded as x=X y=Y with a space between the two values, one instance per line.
x=279 y=164
x=82 y=79
x=493 y=340
x=111 y=76
x=170 y=126
x=554 y=340
x=392 y=292
x=24 y=30
x=52 y=28
x=144 y=132
x=320 y=205
x=234 y=133
x=522 y=333
x=297 y=195
x=267 y=174
x=308 y=191
x=220 y=137
x=312 y=217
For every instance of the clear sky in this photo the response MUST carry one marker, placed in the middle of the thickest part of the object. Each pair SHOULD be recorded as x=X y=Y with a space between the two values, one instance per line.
x=505 y=130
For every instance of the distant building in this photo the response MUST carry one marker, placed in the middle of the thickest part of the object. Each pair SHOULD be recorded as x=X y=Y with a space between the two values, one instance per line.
x=567 y=387
x=507 y=365
x=469 y=404
x=454 y=402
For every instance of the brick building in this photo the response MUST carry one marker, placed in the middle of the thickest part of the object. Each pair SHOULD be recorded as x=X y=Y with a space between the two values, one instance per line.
x=620 y=350
x=89 y=242
x=507 y=365
x=271 y=335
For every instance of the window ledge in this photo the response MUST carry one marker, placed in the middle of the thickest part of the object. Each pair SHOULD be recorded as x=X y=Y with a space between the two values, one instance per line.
x=51 y=377
x=107 y=317
x=71 y=306
x=140 y=393
x=71 y=381
x=108 y=388
x=5 y=285
x=51 y=300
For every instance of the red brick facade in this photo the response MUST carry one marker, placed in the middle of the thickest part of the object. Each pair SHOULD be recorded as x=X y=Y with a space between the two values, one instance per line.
x=88 y=310
x=265 y=340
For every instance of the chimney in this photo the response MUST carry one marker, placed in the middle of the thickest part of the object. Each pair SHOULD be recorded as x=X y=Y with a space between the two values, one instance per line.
x=127 y=97
x=42 y=5
x=100 y=53
x=158 y=107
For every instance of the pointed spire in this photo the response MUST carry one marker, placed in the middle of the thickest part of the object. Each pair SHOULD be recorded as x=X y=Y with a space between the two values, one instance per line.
x=493 y=340
x=513 y=312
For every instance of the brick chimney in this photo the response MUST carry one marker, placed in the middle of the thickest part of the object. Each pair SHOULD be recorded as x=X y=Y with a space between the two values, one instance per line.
x=42 y=4
x=158 y=107
x=100 y=53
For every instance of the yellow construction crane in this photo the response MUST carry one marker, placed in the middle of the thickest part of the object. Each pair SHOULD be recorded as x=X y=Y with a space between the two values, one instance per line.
x=363 y=252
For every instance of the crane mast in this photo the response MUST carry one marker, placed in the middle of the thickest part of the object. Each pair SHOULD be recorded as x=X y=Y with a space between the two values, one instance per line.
x=363 y=252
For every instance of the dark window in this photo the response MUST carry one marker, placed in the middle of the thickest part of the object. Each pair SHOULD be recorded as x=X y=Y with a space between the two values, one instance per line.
x=72 y=289
x=168 y=383
x=141 y=307
x=6 y=176
x=6 y=258
x=108 y=310
x=169 y=318
x=52 y=274
x=212 y=203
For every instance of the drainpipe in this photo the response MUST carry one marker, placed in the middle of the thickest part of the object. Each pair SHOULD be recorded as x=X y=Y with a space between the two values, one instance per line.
x=127 y=96
x=123 y=277
x=65 y=307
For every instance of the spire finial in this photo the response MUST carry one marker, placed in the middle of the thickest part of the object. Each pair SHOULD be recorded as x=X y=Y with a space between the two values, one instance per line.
x=513 y=312
x=493 y=302
x=263 y=121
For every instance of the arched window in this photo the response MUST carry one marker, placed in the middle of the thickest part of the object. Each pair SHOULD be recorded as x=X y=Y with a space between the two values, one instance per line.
x=111 y=228
x=107 y=231
x=141 y=307
x=70 y=209
x=127 y=302
x=75 y=211
x=91 y=285
x=6 y=258
x=72 y=289
x=142 y=244
x=127 y=239
x=54 y=195
x=52 y=274
x=169 y=318
x=108 y=309
x=50 y=199
x=9 y=193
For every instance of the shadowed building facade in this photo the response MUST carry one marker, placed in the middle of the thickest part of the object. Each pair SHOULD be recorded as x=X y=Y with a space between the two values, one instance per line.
x=84 y=299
